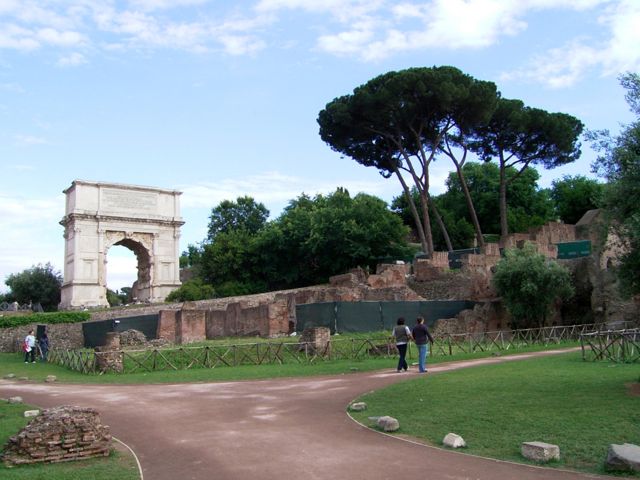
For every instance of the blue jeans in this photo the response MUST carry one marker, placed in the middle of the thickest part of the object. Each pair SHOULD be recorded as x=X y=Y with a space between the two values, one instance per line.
x=423 y=350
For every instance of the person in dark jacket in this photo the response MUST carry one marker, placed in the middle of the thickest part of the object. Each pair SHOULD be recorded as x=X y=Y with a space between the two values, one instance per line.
x=401 y=335
x=421 y=335
x=43 y=343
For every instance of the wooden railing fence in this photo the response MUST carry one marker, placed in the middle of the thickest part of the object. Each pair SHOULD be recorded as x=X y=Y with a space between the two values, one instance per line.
x=285 y=352
x=620 y=346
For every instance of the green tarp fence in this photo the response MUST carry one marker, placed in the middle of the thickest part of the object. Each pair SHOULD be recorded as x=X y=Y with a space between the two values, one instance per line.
x=354 y=317
x=95 y=332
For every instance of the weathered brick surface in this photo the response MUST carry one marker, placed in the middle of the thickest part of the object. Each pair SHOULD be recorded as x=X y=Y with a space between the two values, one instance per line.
x=345 y=280
x=167 y=325
x=59 y=434
x=109 y=357
x=190 y=326
x=61 y=335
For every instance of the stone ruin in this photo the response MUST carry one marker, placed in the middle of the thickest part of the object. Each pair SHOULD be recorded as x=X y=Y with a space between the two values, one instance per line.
x=315 y=341
x=132 y=338
x=109 y=357
x=59 y=434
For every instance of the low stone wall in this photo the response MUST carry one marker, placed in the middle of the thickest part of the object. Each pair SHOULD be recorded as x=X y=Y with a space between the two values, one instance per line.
x=61 y=335
x=58 y=435
x=484 y=317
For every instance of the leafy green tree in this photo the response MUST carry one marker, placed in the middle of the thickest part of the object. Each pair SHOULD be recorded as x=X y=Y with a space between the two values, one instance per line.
x=243 y=214
x=519 y=136
x=192 y=290
x=574 y=196
x=113 y=298
x=318 y=237
x=529 y=206
x=399 y=121
x=619 y=163
x=230 y=259
x=38 y=284
x=311 y=240
x=529 y=283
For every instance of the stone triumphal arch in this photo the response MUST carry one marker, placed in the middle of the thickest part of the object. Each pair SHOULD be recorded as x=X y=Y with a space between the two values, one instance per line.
x=100 y=215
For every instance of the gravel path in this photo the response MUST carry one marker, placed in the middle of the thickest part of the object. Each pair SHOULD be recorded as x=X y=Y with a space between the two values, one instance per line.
x=271 y=429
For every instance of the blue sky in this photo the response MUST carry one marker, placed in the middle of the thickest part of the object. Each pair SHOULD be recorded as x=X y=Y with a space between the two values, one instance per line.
x=220 y=99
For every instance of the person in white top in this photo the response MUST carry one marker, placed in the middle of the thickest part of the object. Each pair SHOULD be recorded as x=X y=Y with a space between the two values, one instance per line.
x=30 y=347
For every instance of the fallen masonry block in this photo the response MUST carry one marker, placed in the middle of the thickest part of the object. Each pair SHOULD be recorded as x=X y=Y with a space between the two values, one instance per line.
x=540 y=451
x=623 y=458
x=31 y=413
x=388 y=424
x=454 y=440
x=15 y=400
x=358 y=406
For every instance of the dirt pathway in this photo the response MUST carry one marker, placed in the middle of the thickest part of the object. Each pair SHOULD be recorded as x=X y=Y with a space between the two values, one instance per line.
x=270 y=429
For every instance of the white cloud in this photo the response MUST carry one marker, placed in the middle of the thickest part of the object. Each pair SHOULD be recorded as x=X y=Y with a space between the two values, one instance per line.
x=271 y=188
x=27 y=140
x=72 y=60
x=566 y=65
x=23 y=168
x=12 y=87
x=25 y=242
x=150 y=5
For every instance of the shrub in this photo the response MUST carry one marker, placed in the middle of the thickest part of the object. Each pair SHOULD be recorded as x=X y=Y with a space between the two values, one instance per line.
x=44 y=318
x=529 y=283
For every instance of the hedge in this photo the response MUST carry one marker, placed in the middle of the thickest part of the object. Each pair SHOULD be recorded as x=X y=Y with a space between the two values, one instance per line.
x=44 y=318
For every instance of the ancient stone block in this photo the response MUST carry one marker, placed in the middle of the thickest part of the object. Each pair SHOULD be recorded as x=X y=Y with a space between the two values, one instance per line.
x=31 y=413
x=388 y=424
x=167 y=325
x=540 y=451
x=344 y=280
x=109 y=357
x=358 y=406
x=190 y=326
x=453 y=440
x=15 y=400
x=315 y=341
x=623 y=458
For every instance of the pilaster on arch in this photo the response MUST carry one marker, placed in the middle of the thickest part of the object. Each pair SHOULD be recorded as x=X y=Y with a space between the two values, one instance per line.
x=100 y=215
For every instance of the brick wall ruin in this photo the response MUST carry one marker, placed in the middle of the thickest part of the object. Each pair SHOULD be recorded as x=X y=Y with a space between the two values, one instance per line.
x=62 y=335
x=59 y=434
x=273 y=314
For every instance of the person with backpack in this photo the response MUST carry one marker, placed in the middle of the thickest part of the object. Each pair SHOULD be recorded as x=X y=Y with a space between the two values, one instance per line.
x=30 y=348
x=401 y=335
x=420 y=335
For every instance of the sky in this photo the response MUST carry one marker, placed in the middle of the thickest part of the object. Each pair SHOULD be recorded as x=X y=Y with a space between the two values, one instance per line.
x=219 y=99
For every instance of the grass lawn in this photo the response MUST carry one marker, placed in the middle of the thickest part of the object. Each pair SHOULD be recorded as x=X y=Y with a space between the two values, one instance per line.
x=580 y=406
x=14 y=363
x=119 y=465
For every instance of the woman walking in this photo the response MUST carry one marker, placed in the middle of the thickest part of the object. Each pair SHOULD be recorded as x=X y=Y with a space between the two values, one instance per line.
x=402 y=335
x=420 y=336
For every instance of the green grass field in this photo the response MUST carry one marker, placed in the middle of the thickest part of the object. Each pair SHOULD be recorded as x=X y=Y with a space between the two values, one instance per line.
x=13 y=363
x=121 y=466
x=580 y=406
